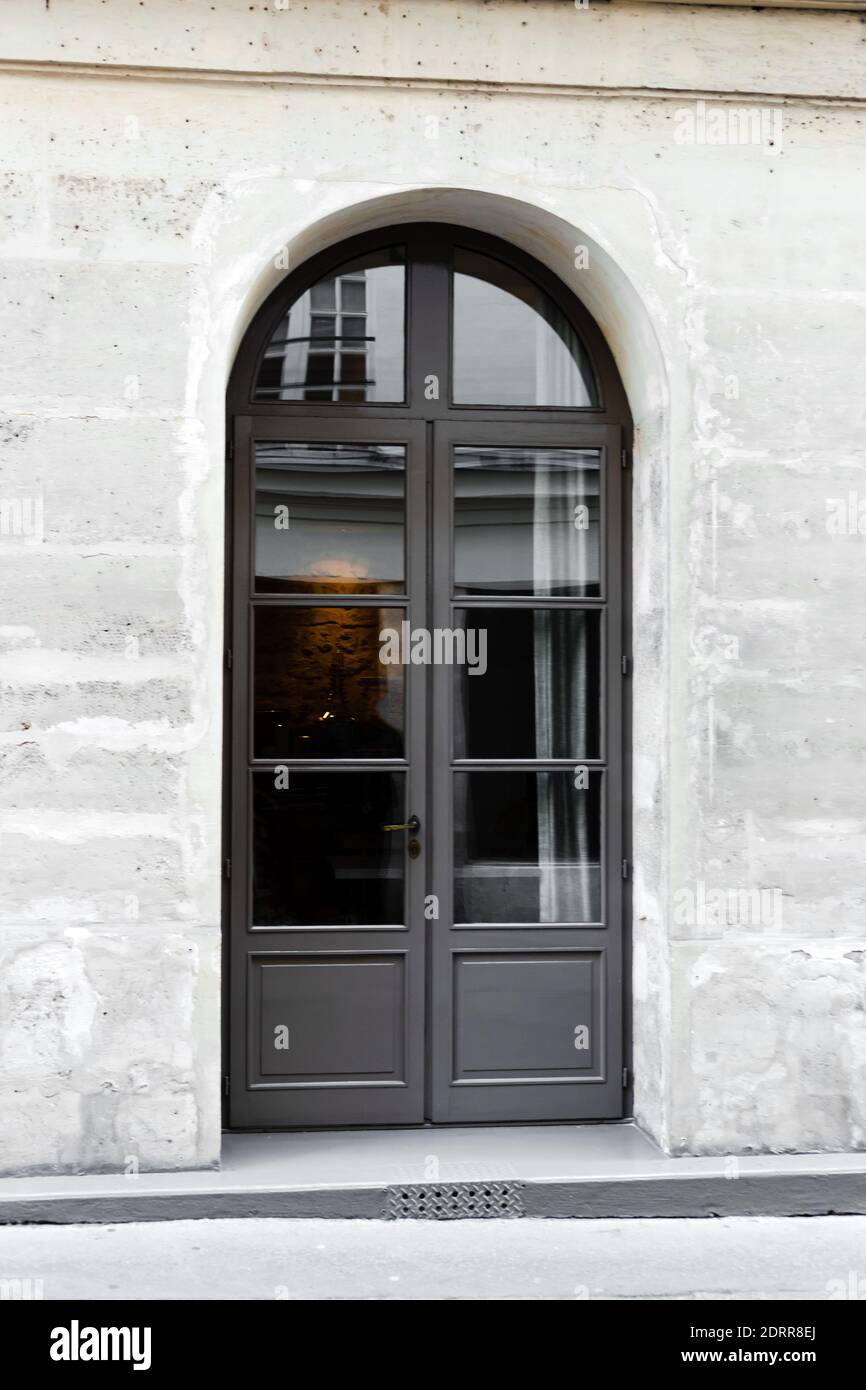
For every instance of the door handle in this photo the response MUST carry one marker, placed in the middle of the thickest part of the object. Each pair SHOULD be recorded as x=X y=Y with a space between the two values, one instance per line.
x=412 y=824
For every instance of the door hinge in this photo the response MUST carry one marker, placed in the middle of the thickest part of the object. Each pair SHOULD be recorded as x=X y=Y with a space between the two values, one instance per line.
x=625 y=868
x=228 y=658
x=625 y=1078
x=226 y=1085
x=227 y=868
x=624 y=458
x=230 y=446
x=626 y=665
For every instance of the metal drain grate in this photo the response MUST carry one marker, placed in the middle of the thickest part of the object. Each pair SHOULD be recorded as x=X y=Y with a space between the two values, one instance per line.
x=454 y=1201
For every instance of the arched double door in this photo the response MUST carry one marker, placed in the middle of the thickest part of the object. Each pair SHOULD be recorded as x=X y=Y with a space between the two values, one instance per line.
x=425 y=803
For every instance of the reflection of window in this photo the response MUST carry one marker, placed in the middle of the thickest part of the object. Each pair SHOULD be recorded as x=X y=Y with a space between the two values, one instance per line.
x=340 y=319
x=343 y=339
x=513 y=345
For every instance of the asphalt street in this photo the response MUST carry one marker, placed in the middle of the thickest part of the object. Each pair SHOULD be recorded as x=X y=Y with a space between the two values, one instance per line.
x=742 y=1257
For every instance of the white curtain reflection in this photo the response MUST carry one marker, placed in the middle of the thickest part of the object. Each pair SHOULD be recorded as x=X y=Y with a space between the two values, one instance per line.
x=561 y=685
x=536 y=531
x=566 y=876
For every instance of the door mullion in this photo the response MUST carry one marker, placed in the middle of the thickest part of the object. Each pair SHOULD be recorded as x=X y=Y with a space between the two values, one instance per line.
x=441 y=776
x=429 y=337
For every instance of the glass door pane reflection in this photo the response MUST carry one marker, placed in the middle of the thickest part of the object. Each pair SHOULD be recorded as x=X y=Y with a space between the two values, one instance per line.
x=344 y=338
x=513 y=344
x=527 y=847
x=320 y=688
x=320 y=855
x=527 y=521
x=547 y=661
x=330 y=518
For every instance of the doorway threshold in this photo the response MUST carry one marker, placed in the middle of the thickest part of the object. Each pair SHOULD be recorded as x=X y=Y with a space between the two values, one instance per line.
x=581 y=1170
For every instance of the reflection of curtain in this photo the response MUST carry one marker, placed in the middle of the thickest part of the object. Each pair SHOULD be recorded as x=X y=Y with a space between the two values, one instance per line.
x=565 y=887
x=562 y=372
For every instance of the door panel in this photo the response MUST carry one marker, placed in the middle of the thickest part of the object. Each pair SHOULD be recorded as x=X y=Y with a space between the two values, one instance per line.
x=329 y=756
x=347 y=1016
x=525 y=1014
x=527 y=951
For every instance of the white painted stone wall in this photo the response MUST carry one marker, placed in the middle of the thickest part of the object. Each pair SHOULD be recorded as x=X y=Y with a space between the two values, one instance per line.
x=155 y=158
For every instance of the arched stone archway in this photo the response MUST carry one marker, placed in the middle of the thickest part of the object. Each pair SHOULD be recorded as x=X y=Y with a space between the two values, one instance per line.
x=582 y=263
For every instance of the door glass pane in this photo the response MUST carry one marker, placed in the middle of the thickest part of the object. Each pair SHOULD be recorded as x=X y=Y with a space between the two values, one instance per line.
x=527 y=846
x=320 y=855
x=330 y=518
x=548 y=660
x=527 y=521
x=512 y=344
x=298 y=365
x=320 y=688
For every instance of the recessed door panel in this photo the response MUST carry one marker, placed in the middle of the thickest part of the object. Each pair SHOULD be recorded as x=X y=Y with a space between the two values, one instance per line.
x=330 y=1018
x=523 y=1016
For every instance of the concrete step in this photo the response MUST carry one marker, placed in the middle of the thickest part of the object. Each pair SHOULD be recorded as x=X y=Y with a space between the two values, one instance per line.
x=595 y=1170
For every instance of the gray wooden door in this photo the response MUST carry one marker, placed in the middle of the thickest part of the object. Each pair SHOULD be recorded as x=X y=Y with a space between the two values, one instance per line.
x=329 y=759
x=425 y=809
x=526 y=847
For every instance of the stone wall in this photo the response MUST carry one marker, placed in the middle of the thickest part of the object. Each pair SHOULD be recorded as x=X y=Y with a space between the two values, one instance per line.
x=162 y=161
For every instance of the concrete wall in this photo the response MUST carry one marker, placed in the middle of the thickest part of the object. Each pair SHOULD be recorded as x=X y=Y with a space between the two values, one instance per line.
x=157 y=160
